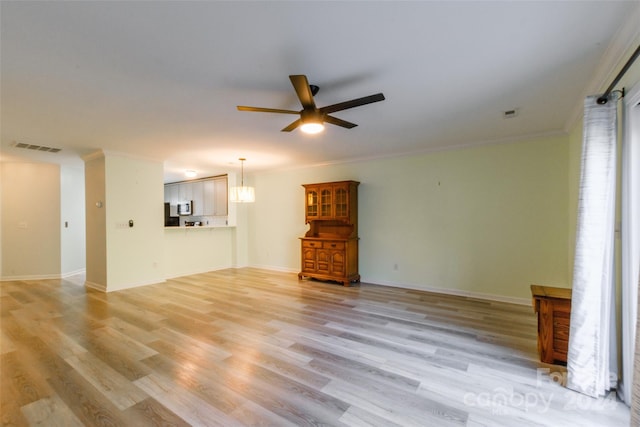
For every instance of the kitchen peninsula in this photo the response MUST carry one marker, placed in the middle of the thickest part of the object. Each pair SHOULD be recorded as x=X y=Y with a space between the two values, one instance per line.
x=193 y=249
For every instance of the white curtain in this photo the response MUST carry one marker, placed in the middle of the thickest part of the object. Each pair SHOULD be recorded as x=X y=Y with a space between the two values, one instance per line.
x=591 y=356
x=630 y=242
x=635 y=389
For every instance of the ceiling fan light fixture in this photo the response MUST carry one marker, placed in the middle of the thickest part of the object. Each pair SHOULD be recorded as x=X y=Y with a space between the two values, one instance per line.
x=312 y=118
x=311 y=121
x=312 y=127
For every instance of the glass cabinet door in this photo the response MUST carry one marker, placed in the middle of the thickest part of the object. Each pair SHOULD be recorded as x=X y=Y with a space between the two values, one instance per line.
x=342 y=210
x=312 y=203
x=325 y=202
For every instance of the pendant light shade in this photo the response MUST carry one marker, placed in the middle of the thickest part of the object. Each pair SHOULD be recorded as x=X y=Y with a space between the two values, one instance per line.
x=242 y=194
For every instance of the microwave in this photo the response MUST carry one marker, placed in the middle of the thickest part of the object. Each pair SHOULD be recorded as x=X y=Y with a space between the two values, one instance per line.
x=185 y=208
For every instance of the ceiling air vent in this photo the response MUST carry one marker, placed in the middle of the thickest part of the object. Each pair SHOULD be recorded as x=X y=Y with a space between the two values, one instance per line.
x=509 y=114
x=36 y=147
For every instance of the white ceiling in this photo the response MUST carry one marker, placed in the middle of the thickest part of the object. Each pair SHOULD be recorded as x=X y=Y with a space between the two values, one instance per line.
x=162 y=80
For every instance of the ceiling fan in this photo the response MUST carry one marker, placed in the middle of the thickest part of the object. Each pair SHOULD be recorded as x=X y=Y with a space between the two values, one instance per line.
x=312 y=118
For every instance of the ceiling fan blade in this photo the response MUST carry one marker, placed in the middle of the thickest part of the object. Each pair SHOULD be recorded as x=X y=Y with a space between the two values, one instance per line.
x=339 y=122
x=353 y=103
x=266 y=110
x=292 y=126
x=303 y=90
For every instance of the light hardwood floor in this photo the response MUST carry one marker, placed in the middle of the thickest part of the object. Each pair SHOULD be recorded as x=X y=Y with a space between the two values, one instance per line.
x=254 y=347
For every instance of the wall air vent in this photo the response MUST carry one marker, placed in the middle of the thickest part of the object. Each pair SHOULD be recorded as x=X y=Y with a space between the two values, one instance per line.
x=36 y=147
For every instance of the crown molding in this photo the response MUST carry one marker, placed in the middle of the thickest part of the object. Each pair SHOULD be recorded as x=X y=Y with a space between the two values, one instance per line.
x=98 y=154
x=622 y=45
x=101 y=153
x=421 y=151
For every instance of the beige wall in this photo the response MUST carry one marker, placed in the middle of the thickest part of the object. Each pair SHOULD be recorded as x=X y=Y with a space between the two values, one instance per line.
x=488 y=221
x=95 y=211
x=134 y=191
x=30 y=217
x=119 y=189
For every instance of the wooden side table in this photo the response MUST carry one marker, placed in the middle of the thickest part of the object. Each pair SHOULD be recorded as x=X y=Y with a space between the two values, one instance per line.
x=553 y=306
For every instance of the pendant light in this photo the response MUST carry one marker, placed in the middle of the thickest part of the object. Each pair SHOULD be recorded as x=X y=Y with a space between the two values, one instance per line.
x=242 y=194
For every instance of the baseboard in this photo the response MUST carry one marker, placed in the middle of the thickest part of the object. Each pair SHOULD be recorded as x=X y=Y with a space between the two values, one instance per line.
x=191 y=273
x=42 y=276
x=73 y=273
x=96 y=286
x=444 y=291
x=30 y=277
x=275 y=268
x=454 y=292
x=102 y=288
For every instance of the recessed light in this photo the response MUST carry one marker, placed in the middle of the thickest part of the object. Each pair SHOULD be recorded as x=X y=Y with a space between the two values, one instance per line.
x=190 y=173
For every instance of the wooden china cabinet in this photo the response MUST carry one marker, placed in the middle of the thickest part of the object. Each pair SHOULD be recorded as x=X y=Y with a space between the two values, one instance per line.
x=330 y=247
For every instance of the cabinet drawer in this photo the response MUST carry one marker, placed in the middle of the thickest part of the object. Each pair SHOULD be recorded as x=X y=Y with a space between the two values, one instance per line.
x=311 y=244
x=333 y=245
